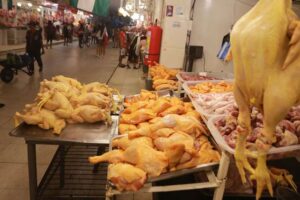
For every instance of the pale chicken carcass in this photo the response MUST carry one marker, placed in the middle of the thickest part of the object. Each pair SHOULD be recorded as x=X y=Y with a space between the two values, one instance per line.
x=57 y=102
x=151 y=161
x=265 y=49
x=163 y=143
x=186 y=124
x=90 y=114
x=70 y=81
x=45 y=119
x=126 y=177
x=125 y=142
x=124 y=128
x=137 y=117
x=91 y=98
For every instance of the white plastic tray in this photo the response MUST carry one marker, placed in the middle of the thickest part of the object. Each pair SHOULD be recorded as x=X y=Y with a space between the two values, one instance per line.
x=188 y=83
x=223 y=144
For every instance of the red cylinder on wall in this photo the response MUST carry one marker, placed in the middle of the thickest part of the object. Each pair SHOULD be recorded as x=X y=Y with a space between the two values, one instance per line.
x=154 y=36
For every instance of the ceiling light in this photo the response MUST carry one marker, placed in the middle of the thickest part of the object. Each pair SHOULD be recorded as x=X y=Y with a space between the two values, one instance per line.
x=38 y=9
x=29 y=4
x=19 y=4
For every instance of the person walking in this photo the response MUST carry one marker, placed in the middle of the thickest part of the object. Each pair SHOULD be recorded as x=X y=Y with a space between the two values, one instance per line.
x=104 y=43
x=50 y=33
x=123 y=47
x=116 y=41
x=80 y=34
x=34 y=46
x=66 y=34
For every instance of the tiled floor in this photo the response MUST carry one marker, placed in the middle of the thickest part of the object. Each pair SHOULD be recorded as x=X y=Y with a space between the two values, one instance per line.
x=69 y=61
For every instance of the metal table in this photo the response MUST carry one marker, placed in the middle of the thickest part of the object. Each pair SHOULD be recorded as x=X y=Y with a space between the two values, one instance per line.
x=97 y=134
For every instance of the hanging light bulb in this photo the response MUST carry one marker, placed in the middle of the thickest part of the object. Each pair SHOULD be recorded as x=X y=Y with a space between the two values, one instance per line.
x=29 y=4
x=19 y=4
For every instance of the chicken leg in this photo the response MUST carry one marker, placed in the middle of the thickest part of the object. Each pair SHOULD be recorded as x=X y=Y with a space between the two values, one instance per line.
x=244 y=129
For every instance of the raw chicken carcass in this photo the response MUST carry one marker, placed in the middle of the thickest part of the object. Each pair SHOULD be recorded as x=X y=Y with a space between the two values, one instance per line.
x=92 y=98
x=126 y=177
x=124 y=128
x=114 y=156
x=90 y=114
x=125 y=142
x=265 y=49
x=70 y=81
x=186 y=124
x=57 y=102
x=163 y=143
x=137 y=117
x=151 y=161
x=44 y=119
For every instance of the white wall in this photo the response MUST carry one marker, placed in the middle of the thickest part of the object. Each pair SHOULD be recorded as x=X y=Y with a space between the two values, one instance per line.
x=212 y=20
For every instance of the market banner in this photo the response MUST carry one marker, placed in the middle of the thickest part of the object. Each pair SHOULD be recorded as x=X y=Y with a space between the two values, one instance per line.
x=97 y=7
x=6 y=4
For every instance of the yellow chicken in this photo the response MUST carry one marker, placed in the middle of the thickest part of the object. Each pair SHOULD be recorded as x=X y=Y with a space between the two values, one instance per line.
x=265 y=49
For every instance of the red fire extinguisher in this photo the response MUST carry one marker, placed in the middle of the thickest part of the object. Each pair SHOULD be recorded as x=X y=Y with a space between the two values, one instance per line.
x=154 y=36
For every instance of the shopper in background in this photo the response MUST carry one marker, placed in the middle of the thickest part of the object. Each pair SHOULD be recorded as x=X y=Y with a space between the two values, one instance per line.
x=115 y=37
x=50 y=34
x=123 y=47
x=34 y=45
x=104 y=43
x=133 y=50
x=80 y=34
x=70 y=32
x=65 y=34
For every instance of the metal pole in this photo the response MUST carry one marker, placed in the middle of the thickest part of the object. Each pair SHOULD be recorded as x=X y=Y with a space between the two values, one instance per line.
x=31 y=153
x=222 y=175
x=62 y=166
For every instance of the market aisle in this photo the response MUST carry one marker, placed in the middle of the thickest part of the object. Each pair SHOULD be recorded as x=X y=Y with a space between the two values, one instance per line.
x=69 y=61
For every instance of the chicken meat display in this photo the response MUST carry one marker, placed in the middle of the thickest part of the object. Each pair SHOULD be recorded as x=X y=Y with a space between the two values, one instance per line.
x=265 y=49
x=209 y=87
x=156 y=144
x=64 y=99
x=163 y=77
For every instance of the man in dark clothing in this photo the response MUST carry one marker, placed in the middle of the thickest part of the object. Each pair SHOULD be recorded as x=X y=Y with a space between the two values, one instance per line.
x=80 y=34
x=34 y=46
x=65 y=34
x=50 y=33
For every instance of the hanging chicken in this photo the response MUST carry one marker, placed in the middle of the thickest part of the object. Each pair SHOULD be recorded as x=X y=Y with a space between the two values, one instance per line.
x=265 y=47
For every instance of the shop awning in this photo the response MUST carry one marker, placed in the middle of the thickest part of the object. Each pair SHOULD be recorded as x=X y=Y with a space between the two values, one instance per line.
x=97 y=7
x=6 y=4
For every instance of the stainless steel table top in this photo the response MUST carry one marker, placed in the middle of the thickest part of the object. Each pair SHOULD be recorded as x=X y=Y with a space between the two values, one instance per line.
x=97 y=133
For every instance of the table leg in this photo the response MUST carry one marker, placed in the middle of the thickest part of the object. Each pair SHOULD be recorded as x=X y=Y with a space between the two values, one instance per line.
x=62 y=166
x=222 y=175
x=31 y=152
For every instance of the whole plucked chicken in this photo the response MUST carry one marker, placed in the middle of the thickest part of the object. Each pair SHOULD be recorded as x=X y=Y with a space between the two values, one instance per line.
x=265 y=49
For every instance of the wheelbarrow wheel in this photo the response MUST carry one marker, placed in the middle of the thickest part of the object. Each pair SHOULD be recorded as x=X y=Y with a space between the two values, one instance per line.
x=7 y=75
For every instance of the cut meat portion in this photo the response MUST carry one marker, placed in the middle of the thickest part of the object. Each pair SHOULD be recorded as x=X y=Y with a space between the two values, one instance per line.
x=124 y=142
x=114 y=156
x=126 y=177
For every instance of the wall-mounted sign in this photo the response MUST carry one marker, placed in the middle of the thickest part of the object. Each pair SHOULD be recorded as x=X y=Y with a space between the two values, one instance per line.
x=169 y=11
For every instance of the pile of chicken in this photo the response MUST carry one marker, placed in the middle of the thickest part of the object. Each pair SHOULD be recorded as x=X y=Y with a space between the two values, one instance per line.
x=216 y=104
x=159 y=136
x=63 y=100
x=211 y=87
x=287 y=131
x=144 y=95
x=163 y=77
x=265 y=49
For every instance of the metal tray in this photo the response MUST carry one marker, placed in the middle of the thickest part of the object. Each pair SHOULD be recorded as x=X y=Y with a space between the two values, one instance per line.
x=96 y=133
